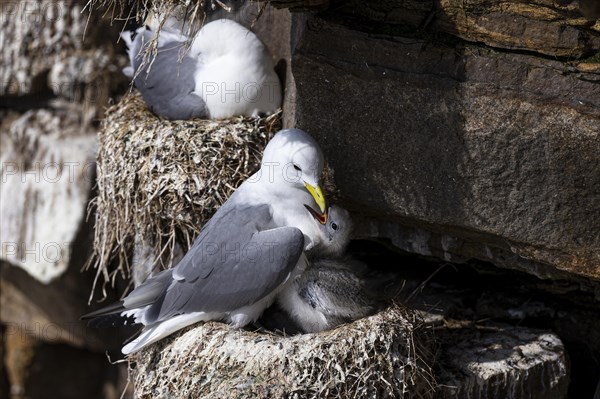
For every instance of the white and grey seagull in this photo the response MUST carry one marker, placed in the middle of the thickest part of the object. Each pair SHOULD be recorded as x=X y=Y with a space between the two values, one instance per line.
x=246 y=253
x=226 y=72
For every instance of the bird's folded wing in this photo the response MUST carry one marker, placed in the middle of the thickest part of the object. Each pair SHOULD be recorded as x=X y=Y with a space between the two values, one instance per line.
x=237 y=260
x=167 y=81
x=147 y=293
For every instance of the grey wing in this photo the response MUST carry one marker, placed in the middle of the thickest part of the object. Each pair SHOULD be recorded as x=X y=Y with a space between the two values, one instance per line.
x=150 y=291
x=232 y=265
x=168 y=84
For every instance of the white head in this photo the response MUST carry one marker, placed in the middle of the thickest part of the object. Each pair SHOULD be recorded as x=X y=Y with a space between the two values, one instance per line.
x=293 y=159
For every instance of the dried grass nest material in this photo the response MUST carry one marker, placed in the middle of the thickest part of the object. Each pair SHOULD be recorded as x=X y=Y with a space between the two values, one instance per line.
x=139 y=9
x=159 y=181
x=382 y=356
x=193 y=12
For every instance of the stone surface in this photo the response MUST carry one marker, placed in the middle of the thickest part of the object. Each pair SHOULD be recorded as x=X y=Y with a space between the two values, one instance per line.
x=48 y=170
x=502 y=362
x=4 y=384
x=486 y=154
x=481 y=358
x=555 y=28
x=45 y=314
x=38 y=34
x=56 y=77
x=301 y=5
x=48 y=167
x=468 y=297
x=39 y=315
x=19 y=350
x=76 y=373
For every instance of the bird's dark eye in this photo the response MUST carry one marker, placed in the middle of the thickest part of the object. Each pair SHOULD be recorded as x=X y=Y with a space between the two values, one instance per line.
x=334 y=226
x=297 y=168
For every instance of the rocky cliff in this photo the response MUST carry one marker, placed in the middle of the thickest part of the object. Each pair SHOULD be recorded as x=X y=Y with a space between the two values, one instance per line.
x=59 y=70
x=475 y=127
x=464 y=132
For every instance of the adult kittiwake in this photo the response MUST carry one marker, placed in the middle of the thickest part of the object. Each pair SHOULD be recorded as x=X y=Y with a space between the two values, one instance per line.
x=246 y=253
x=334 y=288
x=226 y=72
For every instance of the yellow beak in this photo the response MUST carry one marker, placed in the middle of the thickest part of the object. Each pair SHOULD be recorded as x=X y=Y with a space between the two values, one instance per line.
x=317 y=194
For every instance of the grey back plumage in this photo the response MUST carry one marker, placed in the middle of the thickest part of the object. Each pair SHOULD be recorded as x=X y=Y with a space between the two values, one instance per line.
x=237 y=260
x=148 y=292
x=167 y=83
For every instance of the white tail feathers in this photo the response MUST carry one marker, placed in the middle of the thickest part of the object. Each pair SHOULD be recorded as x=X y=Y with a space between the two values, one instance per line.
x=158 y=331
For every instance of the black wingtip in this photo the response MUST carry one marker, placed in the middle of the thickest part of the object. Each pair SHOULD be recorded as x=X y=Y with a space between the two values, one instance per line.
x=111 y=320
x=115 y=308
x=109 y=316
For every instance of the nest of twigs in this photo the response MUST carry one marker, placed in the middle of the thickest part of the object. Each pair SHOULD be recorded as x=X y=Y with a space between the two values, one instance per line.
x=159 y=181
x=194 y=11
x=382 y=356
x=188 y=15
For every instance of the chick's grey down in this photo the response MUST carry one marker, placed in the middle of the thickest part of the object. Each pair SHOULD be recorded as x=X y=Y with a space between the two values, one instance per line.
x=334 y=289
